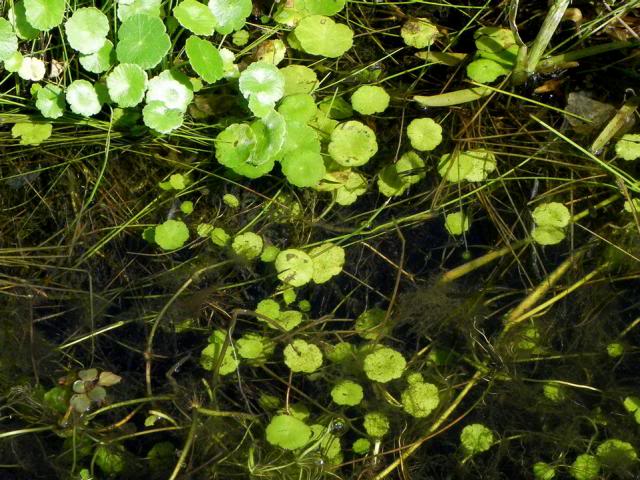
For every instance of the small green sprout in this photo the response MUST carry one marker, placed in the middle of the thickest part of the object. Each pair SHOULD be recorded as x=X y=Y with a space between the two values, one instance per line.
x=632 y=405
x=628 y=147
x=289 y=295
x=476 y=438
x=205 y=59
x=230 y=200
x=347 y=393
x=304 y=305
x=210 y=355
x=230 y=14
x=352 y=144
x=186 y=207
x=420 y=399
x=384 y=365
x=376 y=424
x=269 y=253
x=219 y=237
x=127 y=84
x=371 y=325
x=456 y=223
x=470 y=165
x=554 y=392
x=616 y=455
x=370 y=99
x=320 y=35
x=585 y=467
x=301 y=356
x=43 y=15
x=195 y=17
x=615 y=349
x=543 y=471
x=299 y=79
x=171 y=235
x=90 y=388
x=31 y=133
x=294 y=267
x=247 y=245
x=143 y=41
x=288 y=432
x=262 y=84
x=82 y=98
x=419 y=32
x=361 y=446
x=177 y=181
x=240 y=38
x=87 y=30
x=328 y=260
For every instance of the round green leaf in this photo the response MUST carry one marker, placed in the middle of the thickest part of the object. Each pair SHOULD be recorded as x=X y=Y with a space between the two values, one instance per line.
x=390 y=183
x=172 y=89
x=171 y=234
x=294 y=267
x=320 y=35
x=384 y=365
x=370 y=99
x=301 y=356
x=616 y=455
x=8 y=40
x=158 y=117
x=376 y=424
x=18 y=18
x=328 y=260
x=32 y=69
x=419 y=32
x=546 y=235
x=87 y=30
x=205 y=59
x=195 y=17
x=543 y=471
x=456 y=223
x=288 y=432
x=628 y=147
x=254 y=347
x=31 y=133
x=303 y=168
x=324 y=7
x=410 y=168
x=248 y=245
x=371 y=324
x=126 y=84
x=484 y=70
x=50 y=101
x=420 y=399
x=14 y=62
x=230 y=15
x=471 y=165
x=83 y=98
x=361 y=446
x=100 y=61
x=299 y=79
x=476 y=438
x=585 y=467
x=347 y=393
x=128 y=8
x=43 y=15
x=352 y=144
x=142 y=40
x=425 y=134
x=552 y=214
x=263 y=85
x=298 y=108
x=211 y=354
x=235 y=145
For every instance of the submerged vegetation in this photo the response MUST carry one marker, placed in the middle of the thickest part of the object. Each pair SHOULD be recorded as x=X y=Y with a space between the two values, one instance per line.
x=311 y=239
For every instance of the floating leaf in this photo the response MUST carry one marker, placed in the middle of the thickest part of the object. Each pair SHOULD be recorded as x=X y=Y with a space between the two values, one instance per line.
x=617 y=455
x=31 y=133
x=551 y=214
x=99 y=61
x=219 y=237
x=230 y=14
x=110 y=460
x=298 y=108
x=303 y=168
x=299 y=79
x=82 y=98
x=172 y=89
x=376 y=424
x=476 y=438
x=419 y=32
x=211 y=354
x=126 y=84
x=294 y=267
x=424 y=133
x=543 y=471
x=456 y=223
x=50 y=101
x=384 y=364
x=248 y=245
x=44 y=14
x=370 y=99
x=361 y=446
x=128 y=8
x=205 y=59
x=254 y=347
x=328 y=260
x=545 y=235
x=628 y=147
x=171 y=234
x=17 y=15
x=585 y=467
x=301 y=356
x=158 y=117
x=420 y=399
x=484 y=70
x=371 y=324
x=263 y=85
x=347 y=393
x=32 y=69
x=352 y=144
x=8 y=40
x=470 y=165
x=320 y=35
x=195 y=17
x=87 y=30
x=142 y=40
x=288 y=432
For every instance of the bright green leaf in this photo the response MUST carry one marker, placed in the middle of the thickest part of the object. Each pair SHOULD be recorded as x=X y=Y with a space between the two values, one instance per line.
x=230 y=14
x=301 y=356
x=484 y=70
x=419 y=32
x=31 y=133
x=551 y=214
x=87 y=30
x=43 y=15
x=288 y=432
x=328 y=260
x=205 y=59
x=195 y=17
x=320 y=35
x=82 y=98
x=585 y=467
x=50 y=101
x=370 y=99
x=420 y=399
x=8 y=40
x=347 y=393
x=142 y=40
x=172 y=89
x=163 y=120
x=476 y=438
x=628 y=147
x=126 y=84
x=303 y=168
x=294 y=267
x=424 y=133
x=247 y=245
x=456 y=223
x=544 y=235
x=129 y=8
x=263 y=85
x=18 y=18
x=99 y=61
x=376 y=424
x=171 y=234
x=384 y=364
x=352 y=144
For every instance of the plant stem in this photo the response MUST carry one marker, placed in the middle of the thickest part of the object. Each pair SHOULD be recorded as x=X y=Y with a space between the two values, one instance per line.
x=549 y=26
x=553 y=63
